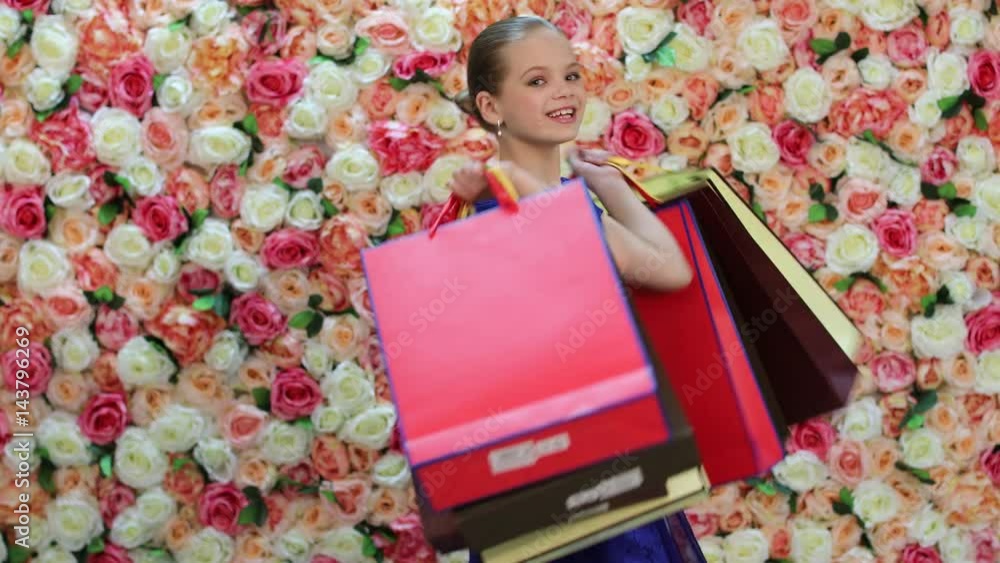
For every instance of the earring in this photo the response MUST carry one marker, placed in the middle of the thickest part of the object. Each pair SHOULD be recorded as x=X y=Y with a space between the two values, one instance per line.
x=499 y=131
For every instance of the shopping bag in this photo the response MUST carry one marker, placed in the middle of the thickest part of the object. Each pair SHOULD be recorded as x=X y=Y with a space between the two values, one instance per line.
x=511 y=349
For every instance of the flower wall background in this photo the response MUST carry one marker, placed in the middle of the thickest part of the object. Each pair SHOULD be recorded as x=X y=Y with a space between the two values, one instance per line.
x=188 y=185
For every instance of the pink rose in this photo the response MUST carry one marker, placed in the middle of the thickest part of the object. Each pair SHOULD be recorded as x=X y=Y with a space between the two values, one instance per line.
x=914 y=553
x=100 y=190
x=257 y=318
x=34 y=364
x=803 y=53
x=226 y=191
x=860 y=201
x=111 y=554
x=132 y=85
x=116 y=500
x=115 y=327
x=431 y=64
x=160 y=218
x=22 y=212
x=387 y=31
x=574 y=21
x=907 y=46
x=808 y=250
x=990 y=462
x=294 y=394
x=264 y=30
x=938 y=167
x=302 y=165
x=104 y=418
x=275 y=82
x=402 y=148
x=696 y=15
x=39 y=7
x=66 y=138
x=815 y=435
x=986 y=545
x=896 y=230
x=93 y=93
x=984 y=74
x=794 y=141
x=220 y=506
x=164 y=138
x=289 y=248
x=864 y=108
x=893 y=371
x=849 y=462
x=242 y=424
x=703 y=524
x=862 y=300
x=634 y=136
x=410 y=546
x=984 y=329
x=196 y=281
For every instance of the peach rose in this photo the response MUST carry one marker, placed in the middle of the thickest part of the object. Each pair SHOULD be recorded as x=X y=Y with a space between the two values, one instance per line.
x=15 y=116
x=105 y=375
x=599 y=69
x=329 y=457
x=253 y=545
x=688 y=140
x=620 y=95
x=247 y=239
x=415 y=103
x=185 y=483
x=941 y=251
x=846 y=534
x=147 y=404
x=984 y=271
x=218 y=62
x=67 y=307
x=725 y=117
x=719 y=157
x=700 y=90
x=164 y=138
x=929 y=373
x=767 y=510
x=910 y=84
x=300 y=43
x=817 y=504
x=189 y=188
x=841 y=73
x=76 y=231
x=387 y=30
x=730 y=67
x=895 y=332
x=352 y=493
x=884 y=454
x=773 y=187
x=80 y=479
x=67 y=391
x=938 y=30
x=253 y=470
x=957 y=128
x=736 y=517
x=202 y=387
x=603 y=34
x=849 y=462
x=731 y=16
x=930 y=215
x=661 y=82
x=779 y=539
x=794 y=17
x=256 y=372
x=347 y=127
x=143 y=297
x=831 y=21
x=288 y=289
x=10 y=246
x=284 y=351
x=186 y=332
x=15 y=70
x=385 y=505
x=960 y=371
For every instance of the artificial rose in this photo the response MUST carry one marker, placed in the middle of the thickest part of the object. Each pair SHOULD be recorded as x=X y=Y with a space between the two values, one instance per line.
x=893 y=371
x=66 y=137
x=402 y=148
x=160 y=218
x=275 y=82
x=186 y=332
x=114 y=327
x=907 y=46
x=164 y=138
x=302 y=165
x=989 y=461
x=984 y=329
x=860 y=200
x=22 y=212
x=914 y=553
x=195 y=281
x=431 y=64
x=220 y=506
x=105 y=418
x=289 y=248
x=257 y=318
x=294 y=394
x=410 y=545
x=794 y=141
x=808 y=250
x=226 y=191
x=896 y=230
x=132 y=85
x=984 y=74
x=632 y=135
x=939 y=166
x=816 y=436
x=34 y=360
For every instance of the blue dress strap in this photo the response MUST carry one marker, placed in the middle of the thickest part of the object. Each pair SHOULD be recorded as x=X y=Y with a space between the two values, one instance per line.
x=487 y=204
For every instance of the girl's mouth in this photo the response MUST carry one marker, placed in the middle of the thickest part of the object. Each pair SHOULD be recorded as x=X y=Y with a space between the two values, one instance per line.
x=563 y=115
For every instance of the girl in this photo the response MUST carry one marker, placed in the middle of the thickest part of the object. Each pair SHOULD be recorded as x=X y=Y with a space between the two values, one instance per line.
x=525 y=86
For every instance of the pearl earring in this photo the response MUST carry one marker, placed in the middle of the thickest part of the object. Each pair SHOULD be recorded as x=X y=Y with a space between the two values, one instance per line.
x=499 y=131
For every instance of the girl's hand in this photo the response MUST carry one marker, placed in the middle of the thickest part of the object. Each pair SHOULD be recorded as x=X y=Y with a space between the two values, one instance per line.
x=469 y=181
x=591 y=165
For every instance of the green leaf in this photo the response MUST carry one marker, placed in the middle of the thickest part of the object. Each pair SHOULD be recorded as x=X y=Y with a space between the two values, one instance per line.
x=330 y=496
x=315 y=300
x=966 y=210
x=315 y=325
x=250 y=125
x=831 y=212
x=747 y=89
x=329 y=209
x=865 y=275
x=262 y=398
x=929 y=191
x=841 y=508
x=766 y=488
x=398 y=84
x=18 y=554
x=43 y=453
x=361 y=45
x=844 y=284
x=817 y=213
x=73 y=84
x=108 y=212
x=369 y=549
x=929 y=311
x=222 y=303
x=199 y=217
x=104 y=294
x=921 y=474
x=50 y=210
x=319 y=59
x=860 y=55
x=823 y=46
x=980 y=119
x=176 y=26
x=28 y=16
x=158 y=80
x=951 y=111
x=315 y=185
x=304 y=422
x=869 y=136
x=204 y=303
x=928 y=301
x=974 y=100
x=915 y=422
x=46 y=476
x=666 y=56
x=842 y=41
x=96 y=545
x=396 y=226
x=244 y=166
x=301 y=319
x=945 y=104
x=14 y=48
x=123 y=182
x=793 y=502
x=925 y=401
x=947 y=191
x=816 y=192
x=944 y=296
x=181 y=462
x=847 y=497
x=250 y=514
x=283 y=184
x=106 y=465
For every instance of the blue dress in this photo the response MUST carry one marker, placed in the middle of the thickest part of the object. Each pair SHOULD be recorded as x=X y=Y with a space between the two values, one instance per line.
x=667 y=540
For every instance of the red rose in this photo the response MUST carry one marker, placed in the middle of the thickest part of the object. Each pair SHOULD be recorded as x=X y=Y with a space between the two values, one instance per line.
x=914 y=553
x=196 y=281
x=34 y=364
x=226 y=191
x=104 y=418
x=808 y=250
x=696 y=15
x=289 y=248
x=984 y=74
x=116 y=500
x=816 y=436
x=990 y=462
x=111 y=554
x=907 y=46
x=573 y=20
x=939 y=166
x=257 y=318
x=984 y=329
x=220 y=506
x=22 y=212
x=410 y=546
x=794 y=141
x=100 y=190
x=160 y=218
x=634 y=136
x=275 y=82
x=402 y=148
x=303 y=165
x=432 y=64
x=115 y=327
x=294 y=394
x=896 y=230
x=39 y=7
x=893 y=371
x=132 y=85
x=66 y=138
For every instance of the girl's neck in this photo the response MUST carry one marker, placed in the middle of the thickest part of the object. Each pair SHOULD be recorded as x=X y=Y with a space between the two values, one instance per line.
x=541 y=161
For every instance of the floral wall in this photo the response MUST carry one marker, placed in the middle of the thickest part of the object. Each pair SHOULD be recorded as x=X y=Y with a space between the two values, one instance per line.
x=187 y=187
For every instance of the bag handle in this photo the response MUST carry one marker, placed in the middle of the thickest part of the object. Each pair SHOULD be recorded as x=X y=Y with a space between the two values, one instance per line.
x=501 y=186
x=621 y=164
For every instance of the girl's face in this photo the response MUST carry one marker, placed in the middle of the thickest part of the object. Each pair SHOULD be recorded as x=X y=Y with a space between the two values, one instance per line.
x=542 y=97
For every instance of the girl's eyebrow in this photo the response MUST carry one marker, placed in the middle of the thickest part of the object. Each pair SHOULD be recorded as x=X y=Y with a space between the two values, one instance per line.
x=574 y=64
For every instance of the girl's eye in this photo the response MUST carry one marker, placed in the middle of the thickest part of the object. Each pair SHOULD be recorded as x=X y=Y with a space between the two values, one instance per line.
x=537 y=82
x=573 y=76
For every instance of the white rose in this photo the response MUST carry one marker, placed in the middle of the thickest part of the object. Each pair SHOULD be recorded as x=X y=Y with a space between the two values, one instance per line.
x=74 y=520
x=327 y=419
x=877 y=71
x=967 y=27
x=263 y=207
x=156 y=507
x=372 y=428
x=144 y=176
x=11 y=27
x=637 y=68
x=862 y=420
x=801 y=471
x=176 y=94
x=692 y=52
x=70 y=191
x=669 y=112
x=208 y=545
x=211 y=245
x=75 y=349
x=370 y=66
x=811 y=543
x=434 y=30
x=904 y=187
x=41 y=266
x=851 y=248
x=946 y=73
x=60 y=435
x=391 y=470
x=150 y=556
x=595 y=120
x=12 y=459
x=354 y=167
x=412 y=7
x=138 y=462
x=672 y=162
x=875 y=502
x=344 y=544
x=306 y=119
x=961 y=288
x=762 y=45
x=746 y=546
x=459 y=556
x=54 y=44
x=925 y=110
x=25 y=163
x=445 y=119
x=283 y=443
x=305 y=211
x=142 y=364
x=986 y=198
x=348 y=388
x=209 y=16
x=244 y=271
x=857 y=555
x=227 y=352
x=130 y=530
x=642 y=29
x=218 y=459
x=331 y=87
x=317 y=358
x=865 y=160
x=887 y=15
x=955 y=547
x=44 y=89
x=335 y=29
x=165 y=267
x=178 y=428
x=127 y=246
x=403 y=190
x=975 y=155
x=293 y=546
x=941 y=336
x=711 y=548
x=78 y=8
x=988 y=373
x=167 y=49
x=922 y=448
x=117 y=136
x=928 y=526
x=217 y=145
x=50 y=554
x=752 y=148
